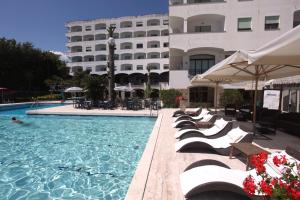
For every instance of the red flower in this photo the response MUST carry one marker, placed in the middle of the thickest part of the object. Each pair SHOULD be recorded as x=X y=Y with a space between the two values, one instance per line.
x=266 y=188
x=249 y=185
x=285 y=187
x=279 y=161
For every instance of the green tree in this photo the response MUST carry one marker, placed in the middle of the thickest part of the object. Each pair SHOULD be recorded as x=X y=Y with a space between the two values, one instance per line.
x=231 y=96
x=23 y=67
x=169 y=97
x=95 y=86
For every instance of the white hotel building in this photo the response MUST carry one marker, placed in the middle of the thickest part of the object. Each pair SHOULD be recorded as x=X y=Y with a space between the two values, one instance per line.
x=202 y=33
x=140 y=42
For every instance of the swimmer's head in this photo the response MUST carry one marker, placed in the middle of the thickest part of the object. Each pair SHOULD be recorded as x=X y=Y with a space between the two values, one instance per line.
x=13 y=118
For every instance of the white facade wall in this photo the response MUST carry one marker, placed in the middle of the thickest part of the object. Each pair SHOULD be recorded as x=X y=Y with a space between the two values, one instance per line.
x=97 y=47
x=224 y=37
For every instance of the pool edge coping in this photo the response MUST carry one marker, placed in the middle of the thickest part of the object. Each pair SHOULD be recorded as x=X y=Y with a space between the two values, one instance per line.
x=139 y=181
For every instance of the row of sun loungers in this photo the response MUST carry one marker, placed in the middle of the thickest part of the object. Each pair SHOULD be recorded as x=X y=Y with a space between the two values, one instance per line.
x=206 y=175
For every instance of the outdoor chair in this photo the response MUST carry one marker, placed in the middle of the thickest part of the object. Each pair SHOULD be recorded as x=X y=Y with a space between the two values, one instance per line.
x=193 y=112
x=184 y=124
x=221 y=144
x=267 y=122
x=220 y=128
x=195 y=118
x=230 y=110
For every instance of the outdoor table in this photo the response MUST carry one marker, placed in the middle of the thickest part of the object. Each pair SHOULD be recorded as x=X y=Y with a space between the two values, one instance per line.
x=247 y=149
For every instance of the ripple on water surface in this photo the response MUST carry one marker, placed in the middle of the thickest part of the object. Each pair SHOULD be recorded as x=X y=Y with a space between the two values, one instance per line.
x=55 y=157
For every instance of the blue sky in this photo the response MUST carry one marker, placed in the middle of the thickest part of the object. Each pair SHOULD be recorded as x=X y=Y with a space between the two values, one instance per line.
x=42 y=22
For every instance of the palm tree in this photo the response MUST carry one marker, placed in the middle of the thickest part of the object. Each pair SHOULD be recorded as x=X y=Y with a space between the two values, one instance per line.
x=111 y=63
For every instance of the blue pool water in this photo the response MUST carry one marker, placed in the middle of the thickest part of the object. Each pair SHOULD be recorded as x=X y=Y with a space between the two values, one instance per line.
x=69 y=157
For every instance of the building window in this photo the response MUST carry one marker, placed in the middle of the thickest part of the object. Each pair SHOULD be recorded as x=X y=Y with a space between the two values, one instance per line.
x=139 y=24
x=165 y=22
x=88 y=28
x=154 y=46
x=127 y=57
x=87 y=49
x=296 y=20
x=244 y=24
x=201 y=94
x=139 y=67
x=271 y=22
x=89 y=69
x=200 y=63
x=166 y=66
x=113 y=25
x=127 y=47
x=203 y=28
x=166 y=44
x=139 y=46
x=153 y=56
x=126 y=67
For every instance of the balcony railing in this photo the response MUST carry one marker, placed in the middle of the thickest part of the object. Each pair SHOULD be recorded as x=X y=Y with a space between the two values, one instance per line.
x=188 y=2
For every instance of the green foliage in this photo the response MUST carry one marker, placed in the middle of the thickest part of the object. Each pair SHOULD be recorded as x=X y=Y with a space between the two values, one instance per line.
x=49 y=97
x=95 y=86
x=23 y=67
x=169 y=97
x=231 y=96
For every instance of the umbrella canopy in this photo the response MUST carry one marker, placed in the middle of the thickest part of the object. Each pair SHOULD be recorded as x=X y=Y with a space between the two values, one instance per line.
x=3 y=88
x=280 y=51
x=74 y=89
x=282 y=81
x=277 y=59
x=245 y=85
x=123 y=89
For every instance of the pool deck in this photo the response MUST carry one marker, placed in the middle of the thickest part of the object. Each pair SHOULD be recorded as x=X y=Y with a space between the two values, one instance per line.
x=161 y=180
x=70 y=110
x=157 y=174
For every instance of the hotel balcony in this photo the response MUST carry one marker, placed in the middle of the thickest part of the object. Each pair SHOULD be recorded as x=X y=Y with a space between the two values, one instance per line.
x=189 y=10
x=187 y=2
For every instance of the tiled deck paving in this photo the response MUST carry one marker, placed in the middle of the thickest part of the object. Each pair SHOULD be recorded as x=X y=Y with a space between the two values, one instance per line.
x=157 y=175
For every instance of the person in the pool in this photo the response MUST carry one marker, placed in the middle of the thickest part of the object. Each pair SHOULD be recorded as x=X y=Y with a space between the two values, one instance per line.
x=15 y=120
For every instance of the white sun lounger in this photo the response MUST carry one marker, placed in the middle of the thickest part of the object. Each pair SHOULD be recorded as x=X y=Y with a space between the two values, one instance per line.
x=204 y=118
x=199 y=117
x=217 y=127
x=221 y=144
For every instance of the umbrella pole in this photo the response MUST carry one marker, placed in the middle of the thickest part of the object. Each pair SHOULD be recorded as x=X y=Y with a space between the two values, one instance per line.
x=255 y=99
x=216 y=96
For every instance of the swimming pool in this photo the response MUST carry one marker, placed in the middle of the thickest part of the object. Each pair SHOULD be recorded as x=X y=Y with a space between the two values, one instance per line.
x=69 y=157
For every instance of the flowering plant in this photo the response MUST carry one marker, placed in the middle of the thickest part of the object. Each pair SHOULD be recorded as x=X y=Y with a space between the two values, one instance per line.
x=286 y=187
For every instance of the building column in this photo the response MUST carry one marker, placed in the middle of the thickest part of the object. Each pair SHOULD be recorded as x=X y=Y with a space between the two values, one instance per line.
x=185 y=25
x=184 y=1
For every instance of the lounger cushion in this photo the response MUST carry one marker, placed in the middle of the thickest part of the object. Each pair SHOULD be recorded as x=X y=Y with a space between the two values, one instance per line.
x=221 y=123
x=236 y=134
x=206 y=118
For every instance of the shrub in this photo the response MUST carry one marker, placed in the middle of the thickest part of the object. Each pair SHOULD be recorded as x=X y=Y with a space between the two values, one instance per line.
x=233 y=97
x=49 y=97
x=169 y=97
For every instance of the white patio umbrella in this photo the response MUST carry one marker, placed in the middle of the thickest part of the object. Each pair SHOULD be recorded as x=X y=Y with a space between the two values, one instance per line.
x=278 y=58
x=123 y=89
x=244 y=85
x=74 y=89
